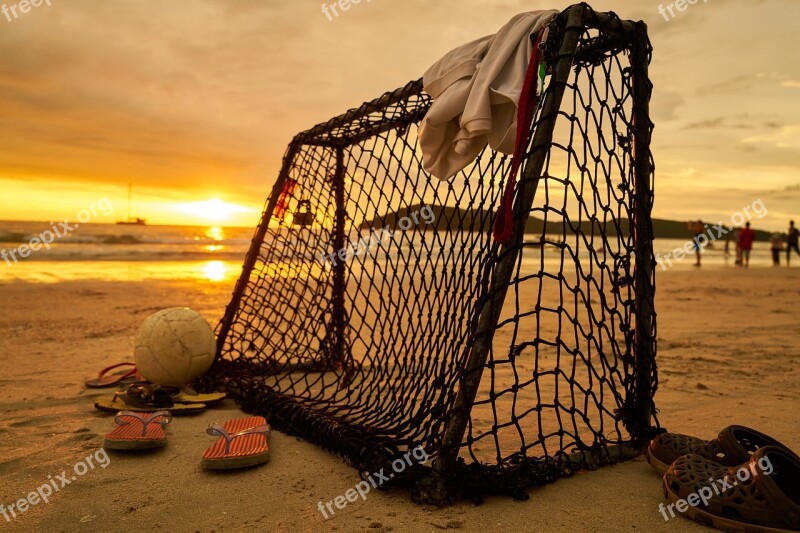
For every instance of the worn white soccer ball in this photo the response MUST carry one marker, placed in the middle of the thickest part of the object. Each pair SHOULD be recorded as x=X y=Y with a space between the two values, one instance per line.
x=174 y=346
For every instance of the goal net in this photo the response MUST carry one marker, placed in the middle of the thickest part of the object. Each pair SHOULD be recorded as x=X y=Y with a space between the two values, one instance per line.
x=375 y=313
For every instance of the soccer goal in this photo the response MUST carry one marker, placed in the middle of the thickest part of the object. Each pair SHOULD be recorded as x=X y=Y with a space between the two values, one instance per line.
x=376 y=314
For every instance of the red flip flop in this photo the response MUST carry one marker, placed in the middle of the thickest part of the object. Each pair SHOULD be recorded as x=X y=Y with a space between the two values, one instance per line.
x=106 y=379
x=242 y=443
x=138 y=431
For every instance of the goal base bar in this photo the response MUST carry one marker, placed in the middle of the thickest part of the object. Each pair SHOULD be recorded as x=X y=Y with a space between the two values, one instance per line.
x=476 y=481
x=375 y=453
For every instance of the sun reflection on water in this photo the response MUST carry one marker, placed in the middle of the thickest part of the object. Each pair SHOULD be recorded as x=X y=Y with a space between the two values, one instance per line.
x=215 y=271
x=215 y=233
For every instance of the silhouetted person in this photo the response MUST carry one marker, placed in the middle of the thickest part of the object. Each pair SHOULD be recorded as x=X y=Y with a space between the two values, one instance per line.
x=736 y=236
x=697 y=230
x=791 y=242
x=776 y=245
x=746 y=239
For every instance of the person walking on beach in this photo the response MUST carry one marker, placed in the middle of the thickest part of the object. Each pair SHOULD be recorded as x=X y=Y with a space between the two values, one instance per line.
x=736 y=236
x=776 y=245
x=697 y=230
x=746 y=238
x=792 y=239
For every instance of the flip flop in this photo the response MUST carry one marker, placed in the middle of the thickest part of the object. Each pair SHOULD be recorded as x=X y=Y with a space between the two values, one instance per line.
x=105 y=379
x=138 y=431
x=190 y=396
x=145 y=397
x=761 y=495
x=732 y=447
x=242 y=443
x=147 y=394
x=117 y=404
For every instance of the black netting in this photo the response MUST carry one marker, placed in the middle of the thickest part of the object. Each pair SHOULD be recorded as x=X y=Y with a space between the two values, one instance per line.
x=510 y=365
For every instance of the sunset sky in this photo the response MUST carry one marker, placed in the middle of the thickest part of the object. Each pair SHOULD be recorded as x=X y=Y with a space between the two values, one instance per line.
x=194 y=101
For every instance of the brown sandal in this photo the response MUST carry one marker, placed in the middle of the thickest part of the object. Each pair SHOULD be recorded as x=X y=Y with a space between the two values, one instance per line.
x=760 y=495
x=732 y=447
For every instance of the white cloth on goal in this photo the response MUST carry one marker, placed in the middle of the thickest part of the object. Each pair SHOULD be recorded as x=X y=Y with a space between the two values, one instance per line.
x=476 y=90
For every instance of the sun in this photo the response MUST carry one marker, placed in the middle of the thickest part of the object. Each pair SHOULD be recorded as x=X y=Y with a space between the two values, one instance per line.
x=214 y=210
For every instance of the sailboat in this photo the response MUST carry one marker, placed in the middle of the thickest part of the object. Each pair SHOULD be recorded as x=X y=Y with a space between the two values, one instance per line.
x=131 y=220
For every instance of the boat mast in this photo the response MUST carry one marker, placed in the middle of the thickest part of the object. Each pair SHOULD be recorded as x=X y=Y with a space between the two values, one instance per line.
x=130 y=199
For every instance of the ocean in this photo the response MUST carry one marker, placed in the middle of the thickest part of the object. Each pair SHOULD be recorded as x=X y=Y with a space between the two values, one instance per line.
x=123 y=252
x=204 y=253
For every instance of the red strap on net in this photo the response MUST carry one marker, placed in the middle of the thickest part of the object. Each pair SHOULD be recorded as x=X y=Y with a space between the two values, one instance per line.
x=528 y=101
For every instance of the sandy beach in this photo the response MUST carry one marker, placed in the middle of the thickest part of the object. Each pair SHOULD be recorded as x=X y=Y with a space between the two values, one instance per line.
x=727 y=354
x=150 y=149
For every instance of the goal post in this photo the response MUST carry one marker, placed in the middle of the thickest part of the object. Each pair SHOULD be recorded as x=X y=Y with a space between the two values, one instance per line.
x=375 y=314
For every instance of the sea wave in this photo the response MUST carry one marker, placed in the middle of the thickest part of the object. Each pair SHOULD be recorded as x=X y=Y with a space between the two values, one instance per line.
x=23 y=238
x=14 y=238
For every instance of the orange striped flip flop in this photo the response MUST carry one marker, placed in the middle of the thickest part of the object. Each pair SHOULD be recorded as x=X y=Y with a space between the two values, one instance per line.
x=138 y=431
x=242 y=443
